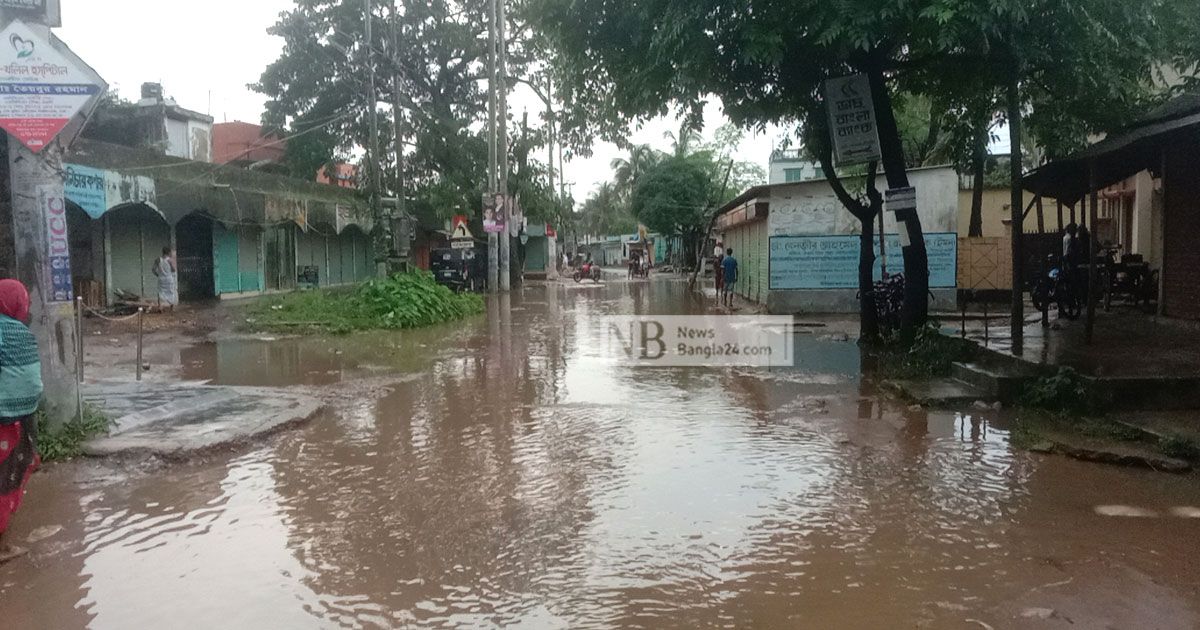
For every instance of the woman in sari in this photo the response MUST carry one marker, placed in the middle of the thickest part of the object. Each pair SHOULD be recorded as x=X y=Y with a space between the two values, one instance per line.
x=20 y=393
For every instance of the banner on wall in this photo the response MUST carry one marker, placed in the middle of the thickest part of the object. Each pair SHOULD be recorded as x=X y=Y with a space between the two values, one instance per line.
x=87 y=187
x=831 y=262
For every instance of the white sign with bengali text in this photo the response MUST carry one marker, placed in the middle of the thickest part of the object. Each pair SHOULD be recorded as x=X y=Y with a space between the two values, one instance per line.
x=40 y=89
x=852 y=120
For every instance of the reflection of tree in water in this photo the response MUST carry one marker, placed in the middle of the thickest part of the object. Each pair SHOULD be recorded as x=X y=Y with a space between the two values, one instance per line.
x=470 y=471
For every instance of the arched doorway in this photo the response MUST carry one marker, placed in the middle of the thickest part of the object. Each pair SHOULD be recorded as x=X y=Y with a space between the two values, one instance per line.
x=135 y=235
x=87 y=255
x=194 y=244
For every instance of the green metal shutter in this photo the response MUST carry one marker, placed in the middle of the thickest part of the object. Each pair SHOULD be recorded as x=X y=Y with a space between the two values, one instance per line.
x=335 y=260
x=225 y=259
x=249 y=253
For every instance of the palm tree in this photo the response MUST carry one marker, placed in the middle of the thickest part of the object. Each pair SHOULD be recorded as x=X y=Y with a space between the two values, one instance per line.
x=627 y=171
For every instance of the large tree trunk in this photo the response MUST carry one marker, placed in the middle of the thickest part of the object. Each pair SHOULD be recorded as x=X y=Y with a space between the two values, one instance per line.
x=916 y=258
x=868 y=319
x=978 y=162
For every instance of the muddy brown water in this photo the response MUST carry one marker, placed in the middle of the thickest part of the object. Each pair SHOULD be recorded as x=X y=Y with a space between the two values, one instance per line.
x=515 y=478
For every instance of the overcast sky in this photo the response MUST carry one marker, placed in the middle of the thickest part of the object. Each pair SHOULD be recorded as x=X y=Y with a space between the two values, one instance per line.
x=206 y=57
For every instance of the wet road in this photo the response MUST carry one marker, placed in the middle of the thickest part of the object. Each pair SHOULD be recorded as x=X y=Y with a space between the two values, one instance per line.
x=511 y=476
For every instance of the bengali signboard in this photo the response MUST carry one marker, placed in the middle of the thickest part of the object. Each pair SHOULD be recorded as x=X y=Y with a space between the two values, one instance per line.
x=54 y=208
x=852 y=119
x=87 y=187
x=40 y=89
x=831 y=262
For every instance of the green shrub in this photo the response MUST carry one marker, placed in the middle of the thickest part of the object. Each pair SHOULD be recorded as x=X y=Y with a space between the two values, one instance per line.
x=1064 y=392
x=66 y=441
x=406 y=300
x=930 y=354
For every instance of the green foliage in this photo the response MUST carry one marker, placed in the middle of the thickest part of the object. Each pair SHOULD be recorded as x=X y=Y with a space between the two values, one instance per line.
x=930 y=354
x=606 y=213
x=1064 y=392
x=66 y=441
x=115 y=121
x=407 y=300
x=1179 y=447
x=676 y=196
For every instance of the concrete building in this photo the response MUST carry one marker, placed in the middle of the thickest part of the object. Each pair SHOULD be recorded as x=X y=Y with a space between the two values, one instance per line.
x=792 y=165
x=174 y=130
x=797 y=247
x=246 y=145
x=235 y=232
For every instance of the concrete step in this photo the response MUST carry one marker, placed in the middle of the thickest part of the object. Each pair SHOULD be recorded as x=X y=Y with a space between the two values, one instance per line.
x=939 y=392
x=1000 y=381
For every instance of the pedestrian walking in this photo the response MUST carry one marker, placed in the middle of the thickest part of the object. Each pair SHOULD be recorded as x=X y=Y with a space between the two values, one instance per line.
x=729 y=268
x=168 y=281
x=20 y=393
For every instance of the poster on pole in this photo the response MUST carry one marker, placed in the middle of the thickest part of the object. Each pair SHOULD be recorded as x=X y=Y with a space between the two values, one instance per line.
x=493 y=213
x=41 y=90
x=46 y=11
x=58 y=244
x=852 y=120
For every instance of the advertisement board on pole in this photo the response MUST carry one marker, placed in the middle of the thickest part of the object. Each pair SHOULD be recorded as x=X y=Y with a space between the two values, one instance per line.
x=41 y=90
x=852 y=120
x=493 y=213
x=46 y=11
x=58 y=244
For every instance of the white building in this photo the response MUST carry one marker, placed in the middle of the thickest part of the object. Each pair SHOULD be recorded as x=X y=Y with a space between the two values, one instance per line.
x=791 y=165
x=176 y=131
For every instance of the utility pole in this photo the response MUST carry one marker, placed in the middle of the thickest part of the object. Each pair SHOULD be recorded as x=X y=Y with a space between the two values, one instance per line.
x=381 y=224
x=33 y=198
x=502 y=149
x=397 y=112
x=493 y=186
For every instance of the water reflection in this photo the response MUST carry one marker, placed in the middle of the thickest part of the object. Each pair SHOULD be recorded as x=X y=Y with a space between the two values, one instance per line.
x=522 y=479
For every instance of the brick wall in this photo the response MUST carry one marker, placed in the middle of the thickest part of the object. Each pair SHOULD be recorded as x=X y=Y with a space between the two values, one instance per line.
x=1181 y=232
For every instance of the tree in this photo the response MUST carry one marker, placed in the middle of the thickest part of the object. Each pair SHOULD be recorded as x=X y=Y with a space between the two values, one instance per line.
x=429 y=56
x=604 y=212
x=767 y=61
x=675 y=198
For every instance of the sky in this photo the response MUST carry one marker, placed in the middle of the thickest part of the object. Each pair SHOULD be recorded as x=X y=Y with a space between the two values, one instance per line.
x=206 y=58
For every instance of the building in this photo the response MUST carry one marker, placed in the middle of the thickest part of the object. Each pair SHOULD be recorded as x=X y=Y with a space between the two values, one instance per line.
x=1147 y=196
x=235 y=232
x=341 y=174
x=798 y=248
x=246 y=145
x=792 y=165
x=171 y=129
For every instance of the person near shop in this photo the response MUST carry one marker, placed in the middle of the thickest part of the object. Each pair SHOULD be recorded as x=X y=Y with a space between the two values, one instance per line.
x=168 y=281
x=20 y=394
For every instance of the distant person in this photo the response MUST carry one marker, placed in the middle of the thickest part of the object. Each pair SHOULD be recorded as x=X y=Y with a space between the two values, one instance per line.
x=168 y=281
x=1068 y=242
x=566 y=261
x=729 y=268
x=20 y=393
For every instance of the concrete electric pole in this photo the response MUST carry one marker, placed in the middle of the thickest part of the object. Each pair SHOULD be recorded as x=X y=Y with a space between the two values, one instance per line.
x=502 y=150
x=493 y=186
x=42 y=114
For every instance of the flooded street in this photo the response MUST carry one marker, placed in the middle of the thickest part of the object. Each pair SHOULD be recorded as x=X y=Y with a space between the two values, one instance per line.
x=506 y=473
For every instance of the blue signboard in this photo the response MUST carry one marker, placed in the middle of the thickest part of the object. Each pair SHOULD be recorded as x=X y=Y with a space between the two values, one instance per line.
x=85 y=187
x=831 y=262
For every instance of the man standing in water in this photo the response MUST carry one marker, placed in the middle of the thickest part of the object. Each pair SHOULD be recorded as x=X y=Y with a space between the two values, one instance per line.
x=729 y=274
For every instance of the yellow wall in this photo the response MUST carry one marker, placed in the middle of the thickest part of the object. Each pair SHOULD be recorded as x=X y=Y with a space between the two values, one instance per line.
x=996 y=213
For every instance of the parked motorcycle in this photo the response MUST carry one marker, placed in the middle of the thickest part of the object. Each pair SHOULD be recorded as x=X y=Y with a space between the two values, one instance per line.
x=1055 y=287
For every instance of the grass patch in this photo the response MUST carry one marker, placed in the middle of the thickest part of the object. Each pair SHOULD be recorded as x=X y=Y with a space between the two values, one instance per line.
x=407 y=300
x=66 y=441
x=930 y=354
x=1179 y=447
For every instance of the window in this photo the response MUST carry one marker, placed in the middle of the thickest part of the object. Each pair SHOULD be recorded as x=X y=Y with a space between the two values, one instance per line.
x=793 y=174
